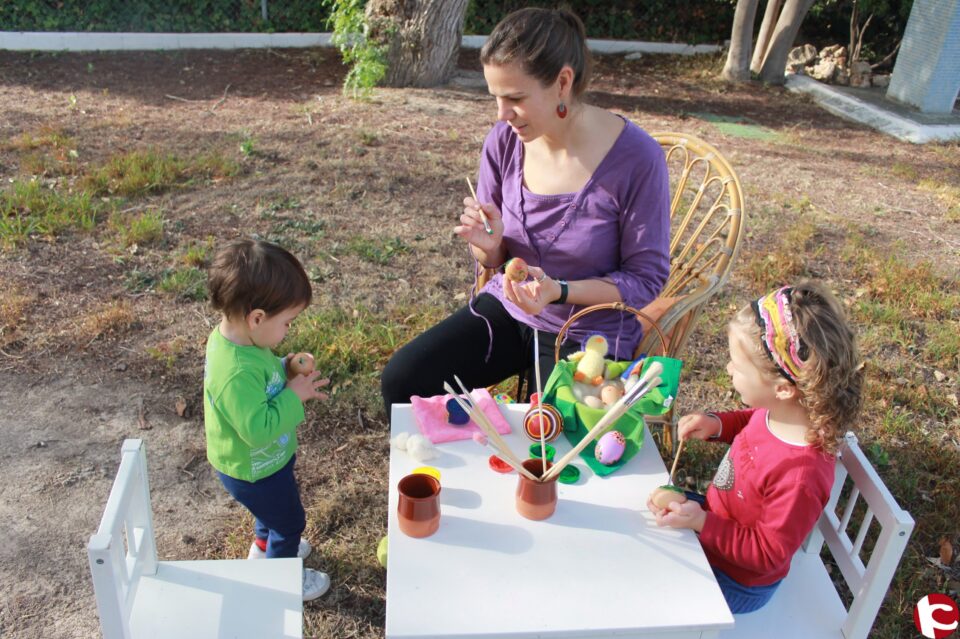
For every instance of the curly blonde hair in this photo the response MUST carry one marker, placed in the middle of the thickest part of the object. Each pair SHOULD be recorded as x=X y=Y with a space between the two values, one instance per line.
x=832 y=374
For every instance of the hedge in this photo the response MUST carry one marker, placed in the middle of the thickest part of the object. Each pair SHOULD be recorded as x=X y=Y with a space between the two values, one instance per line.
x=659 y=20
x=693 y=21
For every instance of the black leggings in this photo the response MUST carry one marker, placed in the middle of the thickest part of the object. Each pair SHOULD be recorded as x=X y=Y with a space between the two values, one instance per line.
x=458 y=346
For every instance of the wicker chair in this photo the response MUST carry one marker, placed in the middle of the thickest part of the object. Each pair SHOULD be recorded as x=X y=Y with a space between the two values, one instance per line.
x=706 y=220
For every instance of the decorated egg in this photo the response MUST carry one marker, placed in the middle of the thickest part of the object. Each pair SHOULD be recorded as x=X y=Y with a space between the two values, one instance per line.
x=610 y=448
x=516 y=269
x=666 y=495
x=550 y=418
x=503 y=398
x=301 y=364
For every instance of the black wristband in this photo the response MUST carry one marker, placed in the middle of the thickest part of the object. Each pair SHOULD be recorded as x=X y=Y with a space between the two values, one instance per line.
x=564 y=289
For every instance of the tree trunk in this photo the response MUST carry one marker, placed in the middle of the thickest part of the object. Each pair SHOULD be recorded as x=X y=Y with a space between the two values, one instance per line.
x=770 y=15
x=422 y=39
x=737 y=68
x=772 y=71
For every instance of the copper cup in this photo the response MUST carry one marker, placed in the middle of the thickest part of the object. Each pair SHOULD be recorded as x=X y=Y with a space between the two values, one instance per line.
x=418 y=508
x=536 y=500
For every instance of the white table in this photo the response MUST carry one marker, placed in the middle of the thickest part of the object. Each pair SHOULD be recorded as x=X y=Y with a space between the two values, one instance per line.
x=599 y=567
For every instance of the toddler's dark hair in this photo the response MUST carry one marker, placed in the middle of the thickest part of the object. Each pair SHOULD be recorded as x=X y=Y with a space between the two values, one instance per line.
x=250 y=274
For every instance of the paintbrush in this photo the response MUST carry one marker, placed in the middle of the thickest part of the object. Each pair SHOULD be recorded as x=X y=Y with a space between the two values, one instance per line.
x=483 y=214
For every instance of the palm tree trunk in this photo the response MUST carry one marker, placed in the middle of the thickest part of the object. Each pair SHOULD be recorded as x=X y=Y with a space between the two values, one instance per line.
x=794 y=11
x=737 y=68
x=770 y=15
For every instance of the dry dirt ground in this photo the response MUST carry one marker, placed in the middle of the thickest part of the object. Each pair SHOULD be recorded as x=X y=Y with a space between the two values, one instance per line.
x=318 y=171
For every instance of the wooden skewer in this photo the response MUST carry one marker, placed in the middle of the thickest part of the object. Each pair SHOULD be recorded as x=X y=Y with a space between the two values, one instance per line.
x=492 y=435
x=536 y=368
x=481 y=419
x=676 y=458
x=483 y=214
x=644 y=385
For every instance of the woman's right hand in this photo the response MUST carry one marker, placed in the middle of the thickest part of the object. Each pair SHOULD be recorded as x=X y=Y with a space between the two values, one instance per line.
x=471 y=225
x=698 y=426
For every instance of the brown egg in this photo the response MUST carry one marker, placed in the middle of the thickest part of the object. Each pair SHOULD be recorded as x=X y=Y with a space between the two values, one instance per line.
x=610 y=394
x=516 y=269
x=666 y=495
x=301 y=364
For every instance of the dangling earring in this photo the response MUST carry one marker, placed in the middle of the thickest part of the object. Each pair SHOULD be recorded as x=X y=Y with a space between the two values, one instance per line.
x=561 y=110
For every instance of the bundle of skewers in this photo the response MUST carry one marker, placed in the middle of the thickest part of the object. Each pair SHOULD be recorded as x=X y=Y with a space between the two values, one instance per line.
x=647 y=382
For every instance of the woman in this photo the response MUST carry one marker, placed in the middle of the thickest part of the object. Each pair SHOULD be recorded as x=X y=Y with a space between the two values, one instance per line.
x=579 y=193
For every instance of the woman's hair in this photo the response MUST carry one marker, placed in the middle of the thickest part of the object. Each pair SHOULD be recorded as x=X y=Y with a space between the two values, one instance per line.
x=830 y=378
x=542 y=41
x=250 y=274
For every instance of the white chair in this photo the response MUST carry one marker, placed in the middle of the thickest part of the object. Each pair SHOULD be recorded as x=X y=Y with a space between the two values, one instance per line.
x=807 y=604
x=139 y=597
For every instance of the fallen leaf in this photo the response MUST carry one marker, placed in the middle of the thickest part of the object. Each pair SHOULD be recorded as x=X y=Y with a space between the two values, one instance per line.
x=946 y=552
x=181 y=407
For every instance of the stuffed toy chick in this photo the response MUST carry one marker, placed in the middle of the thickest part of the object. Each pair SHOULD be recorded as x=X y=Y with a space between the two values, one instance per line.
x=590 y=363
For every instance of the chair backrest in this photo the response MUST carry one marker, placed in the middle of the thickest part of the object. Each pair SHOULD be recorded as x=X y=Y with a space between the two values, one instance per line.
x=123 y=549
x=706 y=229
x=868 y=581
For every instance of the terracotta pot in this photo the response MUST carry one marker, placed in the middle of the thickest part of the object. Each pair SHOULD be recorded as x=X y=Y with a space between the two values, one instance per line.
x=536 y=500
x=418 y=508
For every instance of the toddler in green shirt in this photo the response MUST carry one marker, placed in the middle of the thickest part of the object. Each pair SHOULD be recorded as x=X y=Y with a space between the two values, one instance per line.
x=251 y=406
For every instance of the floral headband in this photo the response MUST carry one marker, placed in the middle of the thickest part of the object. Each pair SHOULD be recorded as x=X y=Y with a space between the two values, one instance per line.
x=778 y=333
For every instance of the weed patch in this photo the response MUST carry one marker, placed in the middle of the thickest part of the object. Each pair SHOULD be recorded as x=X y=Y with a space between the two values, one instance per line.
x=29 y=208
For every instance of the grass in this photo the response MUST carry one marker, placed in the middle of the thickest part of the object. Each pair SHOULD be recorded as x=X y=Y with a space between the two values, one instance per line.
x=188 y=283
x=13 y=308
x=355 y=344
x=151 y=171
x=112 y=318
x=30 y=208
x=378 y=251
x=135 y=230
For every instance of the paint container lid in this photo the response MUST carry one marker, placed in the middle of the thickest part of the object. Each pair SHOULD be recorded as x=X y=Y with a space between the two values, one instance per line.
x=427 y=470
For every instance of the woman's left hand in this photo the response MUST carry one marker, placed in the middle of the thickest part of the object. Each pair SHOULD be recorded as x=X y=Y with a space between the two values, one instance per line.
x=532 y=295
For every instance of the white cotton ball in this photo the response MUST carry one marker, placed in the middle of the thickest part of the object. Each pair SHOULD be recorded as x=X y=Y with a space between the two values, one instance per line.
x=420 y=448
x=400 y=441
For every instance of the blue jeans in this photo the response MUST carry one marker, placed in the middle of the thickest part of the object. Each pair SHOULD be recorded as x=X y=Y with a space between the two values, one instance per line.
x=275 y=504
x=742 y=598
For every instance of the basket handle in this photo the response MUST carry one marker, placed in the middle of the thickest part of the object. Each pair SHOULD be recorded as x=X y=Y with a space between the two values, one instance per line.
x=616 y=306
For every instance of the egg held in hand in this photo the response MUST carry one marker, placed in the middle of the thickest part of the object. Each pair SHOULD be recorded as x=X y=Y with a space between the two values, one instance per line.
x=516 y=269
x=301 y=364
x=666 y=495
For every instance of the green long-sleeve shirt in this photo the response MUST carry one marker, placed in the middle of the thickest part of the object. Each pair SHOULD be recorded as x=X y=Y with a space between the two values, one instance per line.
x=250 y=416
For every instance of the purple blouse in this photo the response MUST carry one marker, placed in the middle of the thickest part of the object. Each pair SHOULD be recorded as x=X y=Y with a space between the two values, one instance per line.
x=617 y=226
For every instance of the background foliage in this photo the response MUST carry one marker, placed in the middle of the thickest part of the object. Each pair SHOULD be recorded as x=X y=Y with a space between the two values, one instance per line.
x=693 y=21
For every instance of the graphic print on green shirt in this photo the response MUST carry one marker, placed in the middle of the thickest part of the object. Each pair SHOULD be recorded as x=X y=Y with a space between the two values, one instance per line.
x=250 y=416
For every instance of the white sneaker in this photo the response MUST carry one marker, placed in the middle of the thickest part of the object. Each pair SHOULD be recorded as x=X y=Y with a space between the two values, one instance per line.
x=303 y=550
x=315 y=584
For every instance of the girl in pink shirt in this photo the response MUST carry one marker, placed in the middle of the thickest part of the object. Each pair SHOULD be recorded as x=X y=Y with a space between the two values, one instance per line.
x=794 y=361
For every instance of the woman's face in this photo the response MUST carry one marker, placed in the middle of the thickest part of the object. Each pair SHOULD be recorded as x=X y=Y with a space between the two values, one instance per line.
x=522 y=102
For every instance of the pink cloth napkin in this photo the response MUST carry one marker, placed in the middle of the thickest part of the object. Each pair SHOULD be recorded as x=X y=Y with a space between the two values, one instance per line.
x=431 y=416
